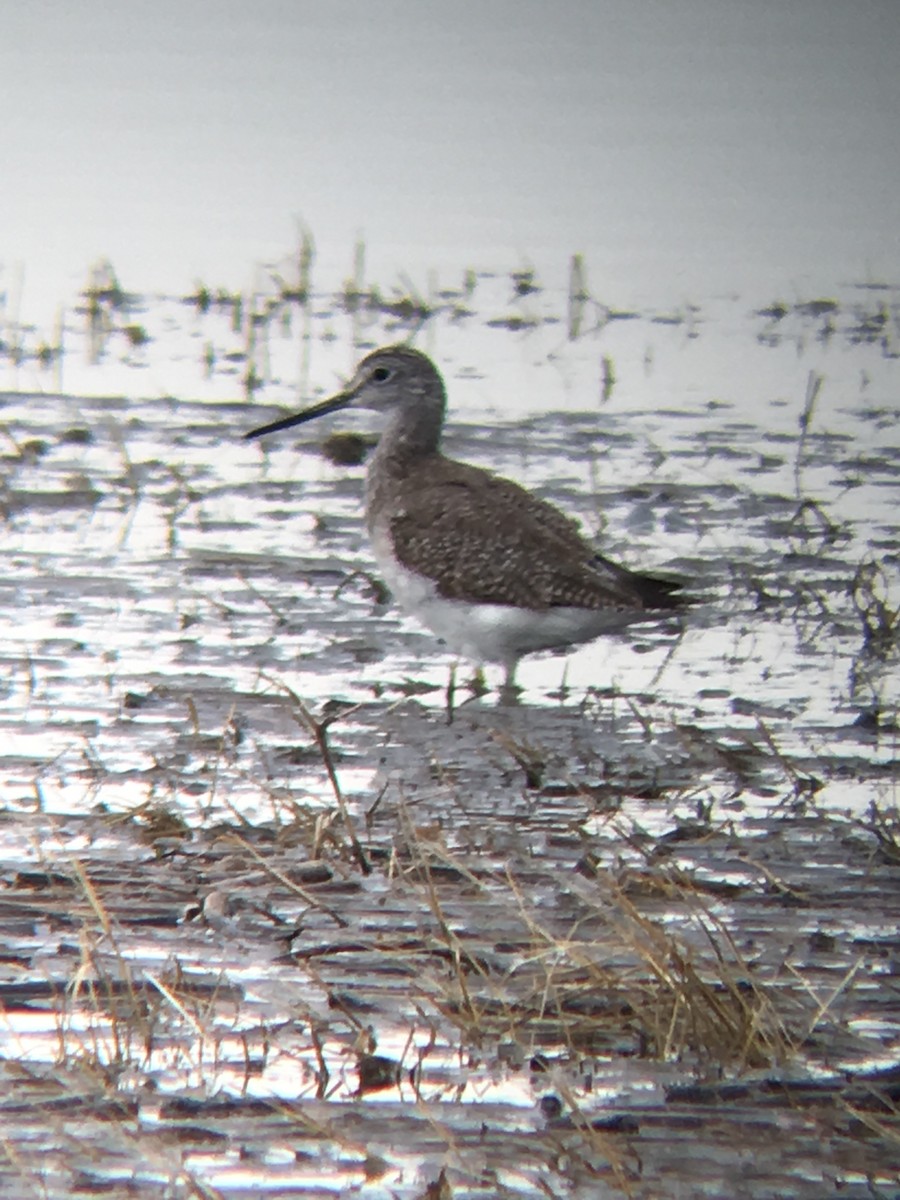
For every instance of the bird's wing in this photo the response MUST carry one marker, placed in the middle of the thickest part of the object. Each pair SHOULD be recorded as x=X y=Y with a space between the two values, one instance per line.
x=484 y=538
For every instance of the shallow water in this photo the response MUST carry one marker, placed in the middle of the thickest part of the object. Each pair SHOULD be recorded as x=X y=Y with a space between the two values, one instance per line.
x=502 y=906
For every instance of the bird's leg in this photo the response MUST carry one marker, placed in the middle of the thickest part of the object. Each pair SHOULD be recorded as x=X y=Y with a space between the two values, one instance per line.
x=450 y=694
x=510 y=691
x=477 y=685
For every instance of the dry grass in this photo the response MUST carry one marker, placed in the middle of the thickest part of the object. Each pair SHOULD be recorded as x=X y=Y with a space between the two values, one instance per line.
x=413 y=966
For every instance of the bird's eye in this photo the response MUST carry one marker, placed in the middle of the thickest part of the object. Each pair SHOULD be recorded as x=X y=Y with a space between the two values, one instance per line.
x=381 y=374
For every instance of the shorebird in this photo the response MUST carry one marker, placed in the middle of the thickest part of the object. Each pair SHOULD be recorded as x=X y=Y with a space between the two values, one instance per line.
x=493 y=570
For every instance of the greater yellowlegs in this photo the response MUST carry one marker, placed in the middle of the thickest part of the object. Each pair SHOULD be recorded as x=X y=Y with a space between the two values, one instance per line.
x=493 y=570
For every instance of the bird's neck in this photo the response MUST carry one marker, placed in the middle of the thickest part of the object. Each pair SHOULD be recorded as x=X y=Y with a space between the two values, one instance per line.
x=409 y=438
x=413 y=431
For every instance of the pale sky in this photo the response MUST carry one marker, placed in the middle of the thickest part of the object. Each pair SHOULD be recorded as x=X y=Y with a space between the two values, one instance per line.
x=682 y=145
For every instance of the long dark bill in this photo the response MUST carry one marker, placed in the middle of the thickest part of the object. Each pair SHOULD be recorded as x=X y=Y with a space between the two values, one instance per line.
x=332 y=404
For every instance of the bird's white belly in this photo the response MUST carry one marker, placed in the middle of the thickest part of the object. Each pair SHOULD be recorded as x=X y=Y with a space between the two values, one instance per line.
x=494 y=633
